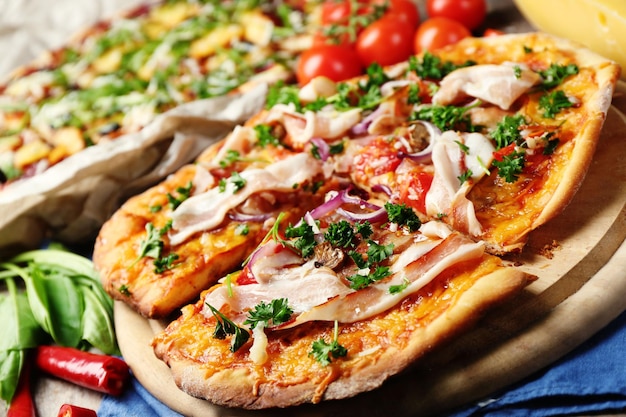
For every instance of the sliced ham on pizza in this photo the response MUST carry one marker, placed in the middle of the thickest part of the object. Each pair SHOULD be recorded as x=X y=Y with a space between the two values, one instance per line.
x=332 y=306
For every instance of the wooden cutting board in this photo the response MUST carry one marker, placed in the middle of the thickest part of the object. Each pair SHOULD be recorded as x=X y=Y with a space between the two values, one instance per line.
x=580 y=258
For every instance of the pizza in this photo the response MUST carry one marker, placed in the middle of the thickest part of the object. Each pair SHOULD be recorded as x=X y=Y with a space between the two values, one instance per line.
x=427 y=173
x=114 y=77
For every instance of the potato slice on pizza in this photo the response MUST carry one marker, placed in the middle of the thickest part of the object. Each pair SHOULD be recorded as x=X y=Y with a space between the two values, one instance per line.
x=164 y=246
x=333 y=307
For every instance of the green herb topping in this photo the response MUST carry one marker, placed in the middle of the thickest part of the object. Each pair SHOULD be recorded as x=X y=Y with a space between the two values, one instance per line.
x=323 y=351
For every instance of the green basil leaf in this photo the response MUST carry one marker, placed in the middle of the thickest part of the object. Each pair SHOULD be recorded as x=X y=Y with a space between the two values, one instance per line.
x=56 y=304
x=97 y=327
x=11 y=362
x=20 y=329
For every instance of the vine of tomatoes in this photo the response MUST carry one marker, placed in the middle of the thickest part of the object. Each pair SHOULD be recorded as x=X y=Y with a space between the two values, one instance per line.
x=355 y=33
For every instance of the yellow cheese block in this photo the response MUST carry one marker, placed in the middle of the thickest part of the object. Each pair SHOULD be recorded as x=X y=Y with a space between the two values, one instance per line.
x=598 y=24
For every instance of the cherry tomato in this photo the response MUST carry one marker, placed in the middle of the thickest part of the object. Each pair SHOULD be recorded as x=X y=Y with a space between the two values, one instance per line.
x=406 y=9
x=387 y=41
x=438 y=32
x=338 y=12
x=336 y=62
x=470 y=13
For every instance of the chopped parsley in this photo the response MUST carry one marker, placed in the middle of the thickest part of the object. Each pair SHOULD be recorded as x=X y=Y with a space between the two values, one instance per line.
x=242 y=230
x=446 y=117
x=517 y=71
x=123 y=289
x=556 y=74
x=403 y=215
x=323 y=351
x=510 y=166
x=236 y=179
x=183 y=194
x=305 y=242
x=432 y=67
x=396 y=289
x=414 y=94
x=225 y=327
x=376 y=253
x=265 y=136
x=465 y=176
x=340 y=234
x=165 y=263
x=273 y=313
x=508 y=131
x=552 y=103
x=152 y=246
x=280 y=93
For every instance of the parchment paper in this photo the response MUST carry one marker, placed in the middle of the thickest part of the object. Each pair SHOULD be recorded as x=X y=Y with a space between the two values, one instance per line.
x=71 y=200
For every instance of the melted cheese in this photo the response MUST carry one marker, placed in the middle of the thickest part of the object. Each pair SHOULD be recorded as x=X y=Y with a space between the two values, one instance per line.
x=207 y=211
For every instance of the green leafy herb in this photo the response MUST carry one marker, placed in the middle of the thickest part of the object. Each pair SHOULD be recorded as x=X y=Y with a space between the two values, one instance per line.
x=124 y=290
x=358 y=281
x=62 y=302
x=273 y=313
x=305 y=241
x=556 y=74
x=464 y=148
x=446 y=117
x=265 y=136
x=465 y=176
x=527 y=49
x=183 y=194
x=323 y=351
x=225 y=327
x=396 y=289
x=280 y=93
x=517 y=71
x=510 y=166
x=340 y=234
x=236 y=179
x=242 y=230
x=403 y=215
x=364 y=229
x=551 y=145
x=552 y=103
x=152 y=246
x=156 y=208
x=165 y=263
x=230 y=158
x=432 y=67
x=377 y=253
x=414 y=94
x=508 y=131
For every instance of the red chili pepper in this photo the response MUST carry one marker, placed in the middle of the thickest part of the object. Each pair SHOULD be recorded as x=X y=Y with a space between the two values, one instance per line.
x=102 y=373
x=22 y=404
x=69 y=410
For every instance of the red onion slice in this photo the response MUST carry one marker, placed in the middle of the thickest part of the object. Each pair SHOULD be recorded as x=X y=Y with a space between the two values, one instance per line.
x=243 y=217
x=323 y=149
x=376 y=216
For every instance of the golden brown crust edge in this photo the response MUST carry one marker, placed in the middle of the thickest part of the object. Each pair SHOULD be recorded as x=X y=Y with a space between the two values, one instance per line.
x=235 y=388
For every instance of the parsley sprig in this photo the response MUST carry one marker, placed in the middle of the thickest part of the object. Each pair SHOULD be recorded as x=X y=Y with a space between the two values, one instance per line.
x=376 y=253
x=273 y=313
x=403 y=215
x=183 y=194
x=511 y=166
x=152 y=247
x=323 y=351
x=225 y=327
x=508 y=131
x=552 y=103
x=447 y=117
x=556 y=74
x=432 y=67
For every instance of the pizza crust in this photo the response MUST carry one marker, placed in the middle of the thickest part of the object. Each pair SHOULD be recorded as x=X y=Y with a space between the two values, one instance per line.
x=238 y=385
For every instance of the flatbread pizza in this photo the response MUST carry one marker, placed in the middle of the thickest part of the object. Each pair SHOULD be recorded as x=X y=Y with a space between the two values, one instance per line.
x=427 y=172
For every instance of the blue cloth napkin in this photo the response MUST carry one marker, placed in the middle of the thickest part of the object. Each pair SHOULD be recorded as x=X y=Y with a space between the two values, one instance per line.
x=591 y=379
